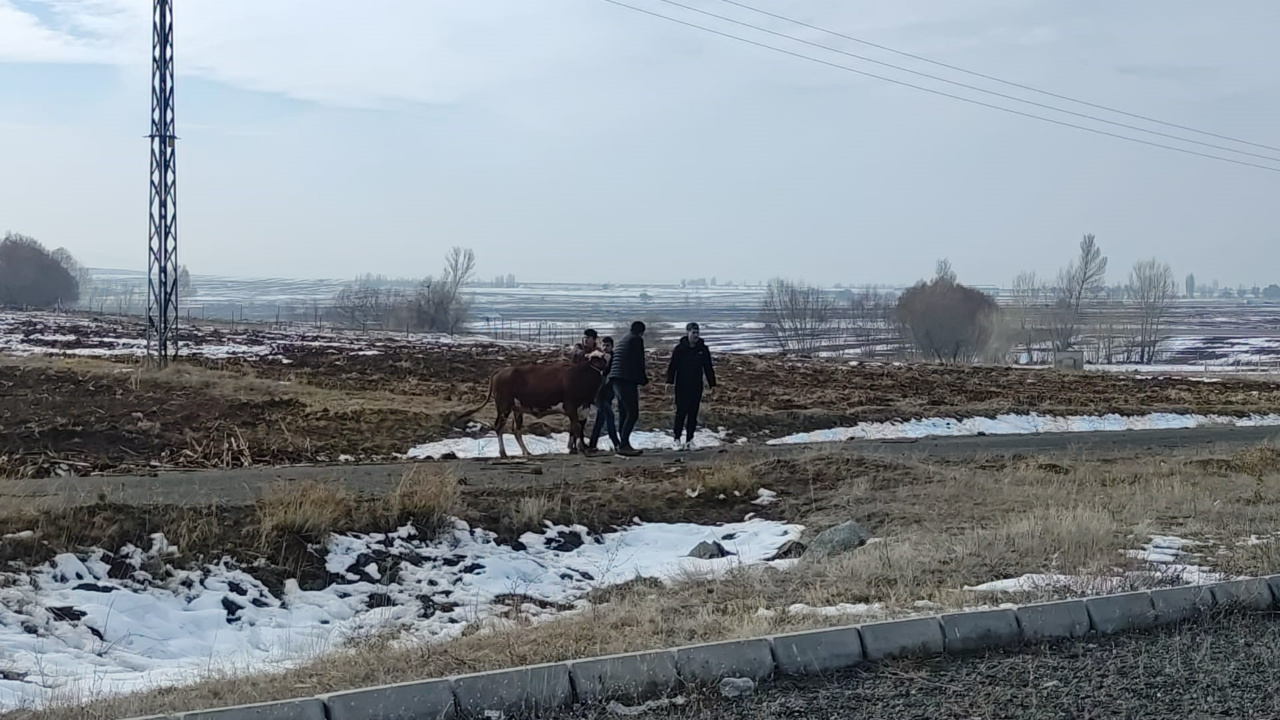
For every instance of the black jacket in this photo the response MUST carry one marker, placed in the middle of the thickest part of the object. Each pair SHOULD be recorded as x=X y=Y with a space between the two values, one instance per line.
x=628 y=361
x=688 y=364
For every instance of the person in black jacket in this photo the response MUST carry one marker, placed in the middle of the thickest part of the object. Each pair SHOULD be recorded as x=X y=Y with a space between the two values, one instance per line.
x=690 y=361
x=626 y=374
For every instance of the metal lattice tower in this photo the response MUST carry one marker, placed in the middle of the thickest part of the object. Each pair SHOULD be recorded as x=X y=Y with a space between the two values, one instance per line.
x=162 y=259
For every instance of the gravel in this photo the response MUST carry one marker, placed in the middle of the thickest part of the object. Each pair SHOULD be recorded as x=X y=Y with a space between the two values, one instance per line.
x=1222 y=668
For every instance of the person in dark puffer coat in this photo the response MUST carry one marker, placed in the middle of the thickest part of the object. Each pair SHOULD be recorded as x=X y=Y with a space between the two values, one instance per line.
x=626 y=374
x=690 y=362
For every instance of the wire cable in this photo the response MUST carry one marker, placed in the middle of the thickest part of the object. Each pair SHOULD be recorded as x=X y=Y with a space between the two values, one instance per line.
x=941 y=93
x=993 y=78
x=967 y=86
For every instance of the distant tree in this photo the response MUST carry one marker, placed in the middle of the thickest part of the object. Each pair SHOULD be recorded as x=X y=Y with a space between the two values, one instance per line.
x=1029 y=295
x=1151 y=289
x=1271 y=292
x=31 y=276
x=799 y=317
x=1083 y=279
x=439 y=305
x=1191 y=285
x=185 y=287
x=947 y=321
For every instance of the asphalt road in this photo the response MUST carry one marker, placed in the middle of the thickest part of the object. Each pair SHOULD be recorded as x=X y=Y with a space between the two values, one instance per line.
x=1224 y=668
x=244 y=485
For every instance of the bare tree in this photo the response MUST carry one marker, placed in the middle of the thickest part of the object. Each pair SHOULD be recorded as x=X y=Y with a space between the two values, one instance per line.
x=1151 y=289
x=440 y=305
x=1191 y=285
x=947 y=321
x=870 y=321
x=1083 y=279
x=799 y=317
x=31 y=276
x=1029 y=298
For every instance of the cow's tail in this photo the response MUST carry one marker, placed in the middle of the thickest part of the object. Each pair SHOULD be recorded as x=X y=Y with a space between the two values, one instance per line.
x=468 y=413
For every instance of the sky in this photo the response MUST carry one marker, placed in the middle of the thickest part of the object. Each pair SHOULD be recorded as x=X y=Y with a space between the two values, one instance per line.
x=575 y=140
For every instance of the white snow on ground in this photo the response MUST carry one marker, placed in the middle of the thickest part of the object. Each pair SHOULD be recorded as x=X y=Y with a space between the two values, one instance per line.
x=1163 y=554
x=69 y=630
x=1022 y=425
x=556 y=443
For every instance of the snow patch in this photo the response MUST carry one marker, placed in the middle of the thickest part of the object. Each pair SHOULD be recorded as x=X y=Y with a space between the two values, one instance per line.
x=70 y=629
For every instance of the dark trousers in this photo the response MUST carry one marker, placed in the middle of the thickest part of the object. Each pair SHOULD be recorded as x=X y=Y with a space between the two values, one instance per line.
x=628 y=394
x=687 y=404
x=604 y=417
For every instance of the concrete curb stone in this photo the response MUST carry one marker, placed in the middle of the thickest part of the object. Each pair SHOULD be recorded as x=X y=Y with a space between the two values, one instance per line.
x=966 y=632
x=1181 y=604
x=529 y=690
x=736 y=658
x=305 y=709
x=1253 y=593
x=421 y=700
x=1110 y=614
x=902 y=638
x=817 y=651
x=631 y=677
x=1053 y=620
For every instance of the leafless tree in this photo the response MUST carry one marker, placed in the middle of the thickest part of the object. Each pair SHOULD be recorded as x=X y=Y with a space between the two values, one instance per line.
x=31 y=276
x=1151 y=289
x=947 y=321
x=439 y=305
x=1030 y=296
x=870 y=321
x=799 y=317
x=1083 y=279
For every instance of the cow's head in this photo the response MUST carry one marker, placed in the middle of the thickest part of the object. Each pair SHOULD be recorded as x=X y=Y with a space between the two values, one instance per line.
x=597 y=360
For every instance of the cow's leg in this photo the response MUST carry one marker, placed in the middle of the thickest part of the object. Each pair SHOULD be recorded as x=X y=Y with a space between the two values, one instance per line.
x=575 y=429
x=499 y=425
x=517 y=426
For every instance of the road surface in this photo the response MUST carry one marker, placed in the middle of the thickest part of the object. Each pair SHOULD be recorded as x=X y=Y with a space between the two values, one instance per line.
x=244 y=485
x=1220 y=669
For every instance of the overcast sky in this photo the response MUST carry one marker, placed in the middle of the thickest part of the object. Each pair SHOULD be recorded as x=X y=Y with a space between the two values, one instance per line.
x=569 y=140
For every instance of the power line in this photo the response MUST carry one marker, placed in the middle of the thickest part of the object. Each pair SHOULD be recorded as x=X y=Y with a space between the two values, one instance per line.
x=967 y=86
x=993 y=78
x=937 y=92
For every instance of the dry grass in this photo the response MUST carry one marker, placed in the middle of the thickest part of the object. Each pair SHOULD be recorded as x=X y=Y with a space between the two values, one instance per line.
x=530 y=512
x=940 y=527
x=427 y=496
x=731 y=479
x=307 y=509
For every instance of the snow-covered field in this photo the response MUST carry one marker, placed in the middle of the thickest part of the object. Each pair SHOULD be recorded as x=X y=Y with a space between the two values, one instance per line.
x=69 y=630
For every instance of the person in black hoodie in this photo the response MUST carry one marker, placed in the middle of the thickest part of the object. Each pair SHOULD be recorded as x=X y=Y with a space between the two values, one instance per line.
x=690 y=361
x=626 y=374
x=604 y=405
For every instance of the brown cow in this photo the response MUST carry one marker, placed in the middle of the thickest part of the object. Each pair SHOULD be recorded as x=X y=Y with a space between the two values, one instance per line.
x=540 y=389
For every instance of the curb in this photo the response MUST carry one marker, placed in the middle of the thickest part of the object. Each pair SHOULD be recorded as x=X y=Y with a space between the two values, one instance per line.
x=635 y=677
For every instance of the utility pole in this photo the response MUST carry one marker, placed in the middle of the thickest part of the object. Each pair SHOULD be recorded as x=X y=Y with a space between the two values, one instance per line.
x=162 y=258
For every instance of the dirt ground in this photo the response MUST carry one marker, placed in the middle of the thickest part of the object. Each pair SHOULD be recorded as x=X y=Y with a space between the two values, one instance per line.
x=77 y=416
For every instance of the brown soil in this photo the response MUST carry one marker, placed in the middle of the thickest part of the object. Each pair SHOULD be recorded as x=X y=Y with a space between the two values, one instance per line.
x=79 y=416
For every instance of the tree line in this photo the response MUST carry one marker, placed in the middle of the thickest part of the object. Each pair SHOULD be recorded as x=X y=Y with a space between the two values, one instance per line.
x=943 y=320
x=432 y=304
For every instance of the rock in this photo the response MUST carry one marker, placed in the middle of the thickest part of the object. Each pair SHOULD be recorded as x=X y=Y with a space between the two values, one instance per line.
x=840 y=539
x=709 y=551
x=790 y=549
x=737 y=687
